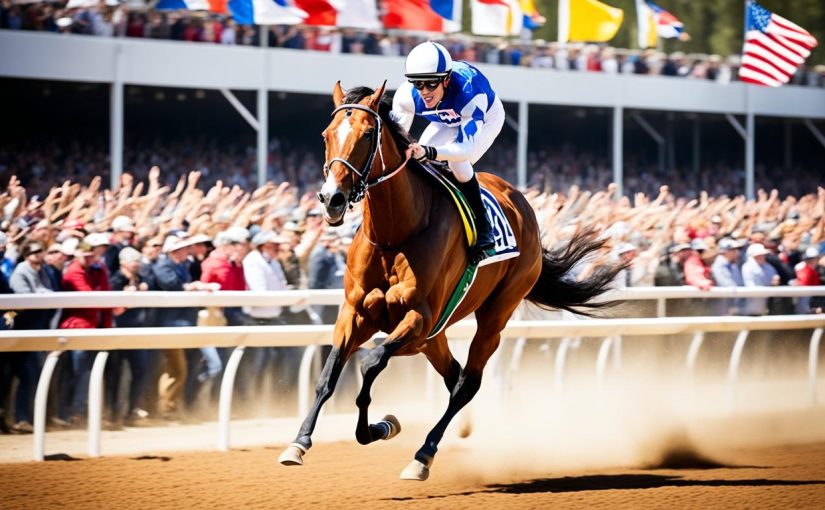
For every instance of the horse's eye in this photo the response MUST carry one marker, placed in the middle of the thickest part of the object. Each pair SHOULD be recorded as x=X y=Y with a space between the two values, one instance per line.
x=368 y=133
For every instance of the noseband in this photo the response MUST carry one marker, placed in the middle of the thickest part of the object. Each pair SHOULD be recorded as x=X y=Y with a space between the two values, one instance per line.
x=361 y=184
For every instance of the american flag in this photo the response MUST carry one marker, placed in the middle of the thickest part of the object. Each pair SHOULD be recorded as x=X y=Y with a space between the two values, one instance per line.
x=774 y=47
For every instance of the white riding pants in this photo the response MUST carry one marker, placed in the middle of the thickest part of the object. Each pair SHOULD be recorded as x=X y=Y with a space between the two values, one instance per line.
x=437 y=134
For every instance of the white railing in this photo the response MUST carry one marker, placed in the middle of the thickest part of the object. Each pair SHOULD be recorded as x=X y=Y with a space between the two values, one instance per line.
x=311 y=336
x=160 y=299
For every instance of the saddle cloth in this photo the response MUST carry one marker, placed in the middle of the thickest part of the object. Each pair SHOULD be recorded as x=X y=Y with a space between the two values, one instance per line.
x=506 y=247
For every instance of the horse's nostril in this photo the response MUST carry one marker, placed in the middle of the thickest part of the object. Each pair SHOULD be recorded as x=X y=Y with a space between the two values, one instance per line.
x=338 y=200
x=321 y=198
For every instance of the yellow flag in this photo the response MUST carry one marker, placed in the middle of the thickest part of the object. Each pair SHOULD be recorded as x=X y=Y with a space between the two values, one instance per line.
x=588 y=21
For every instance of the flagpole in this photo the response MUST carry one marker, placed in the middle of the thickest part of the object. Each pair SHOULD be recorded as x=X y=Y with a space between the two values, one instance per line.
x=564 y=21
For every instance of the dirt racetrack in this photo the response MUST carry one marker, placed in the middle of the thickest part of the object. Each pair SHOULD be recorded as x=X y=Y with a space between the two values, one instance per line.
x=650 y=438
x=344 y=475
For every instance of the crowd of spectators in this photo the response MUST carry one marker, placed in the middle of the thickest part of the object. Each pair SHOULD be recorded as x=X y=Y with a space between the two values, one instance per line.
x=234 y=163
x=192 y=235
x=120 y=21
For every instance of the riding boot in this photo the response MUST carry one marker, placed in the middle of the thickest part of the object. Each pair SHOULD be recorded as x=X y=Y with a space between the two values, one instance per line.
x=485 y=243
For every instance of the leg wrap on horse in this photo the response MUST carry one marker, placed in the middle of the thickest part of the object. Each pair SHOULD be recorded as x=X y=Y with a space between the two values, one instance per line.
x=371 y=366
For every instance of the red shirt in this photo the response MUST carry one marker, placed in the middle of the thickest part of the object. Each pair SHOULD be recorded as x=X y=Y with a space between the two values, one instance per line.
x=92 y=278
x=696 y=272
x=806 y=275
x=217 y=268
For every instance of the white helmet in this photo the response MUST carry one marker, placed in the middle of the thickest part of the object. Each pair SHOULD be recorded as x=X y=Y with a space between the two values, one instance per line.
x=428 y=60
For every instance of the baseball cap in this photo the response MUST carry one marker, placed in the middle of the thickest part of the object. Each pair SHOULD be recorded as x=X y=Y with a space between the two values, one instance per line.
x=756 y=250
x=123 y=224
x=727 y=243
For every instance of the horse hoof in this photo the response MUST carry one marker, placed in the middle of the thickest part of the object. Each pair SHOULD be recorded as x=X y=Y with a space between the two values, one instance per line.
x=393 y=424
x=415 y=470
x=293 y=455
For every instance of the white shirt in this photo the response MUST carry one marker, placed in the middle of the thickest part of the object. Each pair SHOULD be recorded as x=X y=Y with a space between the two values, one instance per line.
x=263 y=274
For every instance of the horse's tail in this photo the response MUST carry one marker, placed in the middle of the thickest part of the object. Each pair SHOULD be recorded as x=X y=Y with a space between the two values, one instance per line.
x=557 y=288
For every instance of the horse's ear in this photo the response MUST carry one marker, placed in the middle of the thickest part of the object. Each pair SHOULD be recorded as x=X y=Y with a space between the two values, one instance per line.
x=338 y=94
x=375 y=100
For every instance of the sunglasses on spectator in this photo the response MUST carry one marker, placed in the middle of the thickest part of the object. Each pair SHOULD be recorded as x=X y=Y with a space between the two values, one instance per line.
x=426 y=84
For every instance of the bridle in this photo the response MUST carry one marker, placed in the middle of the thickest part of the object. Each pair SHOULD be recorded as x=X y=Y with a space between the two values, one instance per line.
x=361 y=184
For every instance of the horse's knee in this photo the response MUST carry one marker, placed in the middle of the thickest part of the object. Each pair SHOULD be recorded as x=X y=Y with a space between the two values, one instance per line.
x=374 y=361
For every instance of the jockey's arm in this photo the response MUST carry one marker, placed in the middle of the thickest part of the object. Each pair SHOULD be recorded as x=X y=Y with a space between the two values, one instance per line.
x=463 y=147
x=403 y=106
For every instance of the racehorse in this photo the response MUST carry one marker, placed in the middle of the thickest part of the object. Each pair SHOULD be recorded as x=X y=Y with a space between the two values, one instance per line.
x=407 y=258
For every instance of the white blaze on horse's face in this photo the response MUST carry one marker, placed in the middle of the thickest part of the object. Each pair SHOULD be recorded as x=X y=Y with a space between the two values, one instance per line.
x=344 y=130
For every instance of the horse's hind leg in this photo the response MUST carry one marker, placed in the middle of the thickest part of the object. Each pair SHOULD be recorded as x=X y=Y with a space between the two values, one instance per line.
x=438 y=354
x=491 y=321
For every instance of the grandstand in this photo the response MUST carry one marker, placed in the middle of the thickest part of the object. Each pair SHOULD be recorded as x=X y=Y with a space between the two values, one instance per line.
x=674 y=126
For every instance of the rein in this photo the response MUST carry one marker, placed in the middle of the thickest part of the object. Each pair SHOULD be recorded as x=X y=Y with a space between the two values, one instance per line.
x=361 y=185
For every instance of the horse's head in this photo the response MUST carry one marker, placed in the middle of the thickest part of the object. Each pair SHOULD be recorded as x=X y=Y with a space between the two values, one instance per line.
x=352 y=141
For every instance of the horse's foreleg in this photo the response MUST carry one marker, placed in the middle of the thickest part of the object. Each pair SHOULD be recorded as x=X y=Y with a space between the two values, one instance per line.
x=349 y=334
x=411 y=326
x=294 y=453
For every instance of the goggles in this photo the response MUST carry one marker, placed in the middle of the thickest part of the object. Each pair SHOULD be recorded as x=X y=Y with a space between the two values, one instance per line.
x=426 y=84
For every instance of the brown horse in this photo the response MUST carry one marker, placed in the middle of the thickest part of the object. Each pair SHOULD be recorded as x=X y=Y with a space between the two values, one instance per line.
x=405 y=261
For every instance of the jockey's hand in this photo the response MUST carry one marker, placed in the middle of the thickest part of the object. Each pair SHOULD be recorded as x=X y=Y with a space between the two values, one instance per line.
x=417 y=151
x=422 y=152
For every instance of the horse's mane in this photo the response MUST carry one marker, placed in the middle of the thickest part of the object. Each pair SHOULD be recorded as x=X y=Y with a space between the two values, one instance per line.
x=402 y=138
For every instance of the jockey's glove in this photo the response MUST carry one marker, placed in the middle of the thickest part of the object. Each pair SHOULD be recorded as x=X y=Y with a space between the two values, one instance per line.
x=429 y=153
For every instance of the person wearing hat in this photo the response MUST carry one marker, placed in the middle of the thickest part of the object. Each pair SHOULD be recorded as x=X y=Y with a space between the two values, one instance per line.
x=54 y=262
x=697 y=273
x=671 y=269
x=757 y=272
x=465 y=116
x=171 y=273
x=85 y=273
x=263 y=271
x=224 y=267
x=123 y=233
x=128 y=278
x=807 y=274
x=624 y=254
x=28 y=277
x=201 y=247
x=725 y=271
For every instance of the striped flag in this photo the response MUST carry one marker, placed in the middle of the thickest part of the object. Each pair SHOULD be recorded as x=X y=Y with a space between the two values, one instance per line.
x=774 y=47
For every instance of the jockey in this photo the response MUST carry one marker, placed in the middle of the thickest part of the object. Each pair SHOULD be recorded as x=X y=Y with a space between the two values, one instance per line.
x=465 y=117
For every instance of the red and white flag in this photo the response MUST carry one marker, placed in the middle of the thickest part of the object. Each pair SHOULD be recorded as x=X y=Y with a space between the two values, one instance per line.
x=774 y=47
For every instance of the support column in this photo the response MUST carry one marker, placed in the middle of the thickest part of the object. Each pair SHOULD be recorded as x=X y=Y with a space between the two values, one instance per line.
x=116 y=121
x=618 y=149
x=750 y=181
x=263 y=112
x=521 y=156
